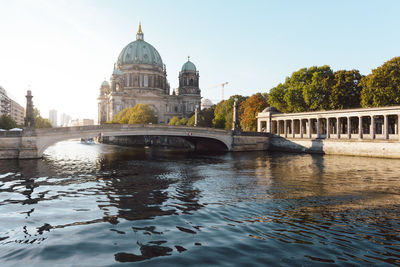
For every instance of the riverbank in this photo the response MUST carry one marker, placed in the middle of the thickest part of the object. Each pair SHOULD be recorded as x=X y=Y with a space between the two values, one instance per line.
x=350 y=147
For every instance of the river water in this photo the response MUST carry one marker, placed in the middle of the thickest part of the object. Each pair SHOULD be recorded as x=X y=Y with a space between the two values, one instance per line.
x=101 y=205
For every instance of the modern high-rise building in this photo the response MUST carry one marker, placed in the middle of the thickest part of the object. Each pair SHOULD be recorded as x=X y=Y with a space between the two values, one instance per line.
x=10 y=107
x=65 y=120
x=53 y=117
x=5 y=102
x=17 y=112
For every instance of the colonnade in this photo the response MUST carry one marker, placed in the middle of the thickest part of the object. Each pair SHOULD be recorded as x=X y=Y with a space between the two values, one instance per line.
x=369 y=123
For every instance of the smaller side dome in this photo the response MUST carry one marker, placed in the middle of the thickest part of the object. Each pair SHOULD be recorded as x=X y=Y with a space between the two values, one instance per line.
x=188 y=66
x=270 y=109
x=105 y=84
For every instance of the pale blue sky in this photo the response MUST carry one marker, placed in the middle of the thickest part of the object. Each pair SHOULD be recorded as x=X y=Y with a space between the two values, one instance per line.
x=65 y=49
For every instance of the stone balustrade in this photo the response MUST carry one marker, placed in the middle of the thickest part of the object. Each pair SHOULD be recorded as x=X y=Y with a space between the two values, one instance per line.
x=363 y=123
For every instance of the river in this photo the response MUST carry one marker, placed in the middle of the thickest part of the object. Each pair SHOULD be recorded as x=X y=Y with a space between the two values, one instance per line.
x=102 y=205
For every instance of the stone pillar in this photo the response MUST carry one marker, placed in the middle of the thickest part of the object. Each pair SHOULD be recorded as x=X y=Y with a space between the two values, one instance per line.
x=293 y=130
x=235 y=121
x=338 y=128
x=259 y=129
x=309 y=129
x=328 y=128
x=349 y=127
x=301 y=128
x=285 y=128
x=386 y=126
x=398 y=125
x=30 y=117
x=360 y=128
x=318 y=127
x=278 y=126
x=372 y=129
x=196 y=116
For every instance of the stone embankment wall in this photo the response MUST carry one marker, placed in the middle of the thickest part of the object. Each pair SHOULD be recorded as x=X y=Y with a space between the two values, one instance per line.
x=9 y=147
x=351 y=147
x=250 y=142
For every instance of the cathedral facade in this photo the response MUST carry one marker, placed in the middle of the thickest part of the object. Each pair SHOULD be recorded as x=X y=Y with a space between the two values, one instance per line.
x=140 y=76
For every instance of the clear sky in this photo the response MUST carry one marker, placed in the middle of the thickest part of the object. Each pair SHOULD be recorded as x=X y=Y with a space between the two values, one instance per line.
x=63 y=50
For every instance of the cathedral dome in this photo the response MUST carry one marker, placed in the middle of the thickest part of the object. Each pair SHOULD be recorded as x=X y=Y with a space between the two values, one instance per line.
x=140 y=52
x=188 y=66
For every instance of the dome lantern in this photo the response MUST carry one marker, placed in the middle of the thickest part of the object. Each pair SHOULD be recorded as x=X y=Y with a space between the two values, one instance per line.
x=139 y=35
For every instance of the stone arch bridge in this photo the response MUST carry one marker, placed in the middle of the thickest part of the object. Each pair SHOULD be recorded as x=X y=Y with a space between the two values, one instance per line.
x=32 y=143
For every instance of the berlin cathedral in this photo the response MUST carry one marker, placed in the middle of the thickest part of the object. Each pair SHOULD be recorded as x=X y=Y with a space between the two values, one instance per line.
x=140 y=76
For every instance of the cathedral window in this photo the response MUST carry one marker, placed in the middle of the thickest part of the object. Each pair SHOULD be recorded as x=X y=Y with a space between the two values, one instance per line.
x=191 y=82
x=146 y=81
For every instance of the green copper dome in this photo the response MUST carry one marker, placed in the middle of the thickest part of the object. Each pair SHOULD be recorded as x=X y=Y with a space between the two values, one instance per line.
x=188 y=66
x=140 y=52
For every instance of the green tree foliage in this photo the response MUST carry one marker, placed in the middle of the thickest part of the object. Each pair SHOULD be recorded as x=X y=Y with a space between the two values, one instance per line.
x=174 y=120
x=7 y=122
x=191 y=120
x=346 y=90
x=249 y=110
x=382 y=86
x=276 y=97
x=317 y=88
x=40 y=122
x=182 y=121
x=139 y=114
x=205 y=118
x=223 y=114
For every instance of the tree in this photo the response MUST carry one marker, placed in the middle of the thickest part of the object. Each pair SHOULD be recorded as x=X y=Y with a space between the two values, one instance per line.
x=139 y=114
x=223 y=114
x=276 y=97
x=317 y=88
x=7 y=122
x=346 y=90
x=191 y=120
x=206 y=117
x=174 y=120
x=182 y=121
x=307 y=89
x=382 y=86
x=40 y=122
x=249 y=109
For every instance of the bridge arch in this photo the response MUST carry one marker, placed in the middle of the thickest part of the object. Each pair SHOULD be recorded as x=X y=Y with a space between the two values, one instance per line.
x=47 y=137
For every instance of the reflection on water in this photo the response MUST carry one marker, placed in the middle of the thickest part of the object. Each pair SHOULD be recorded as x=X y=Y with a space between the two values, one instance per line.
x=97 y=205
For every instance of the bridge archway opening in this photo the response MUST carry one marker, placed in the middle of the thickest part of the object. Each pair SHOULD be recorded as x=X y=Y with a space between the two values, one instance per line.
x=192 y=143
x=202 y=144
